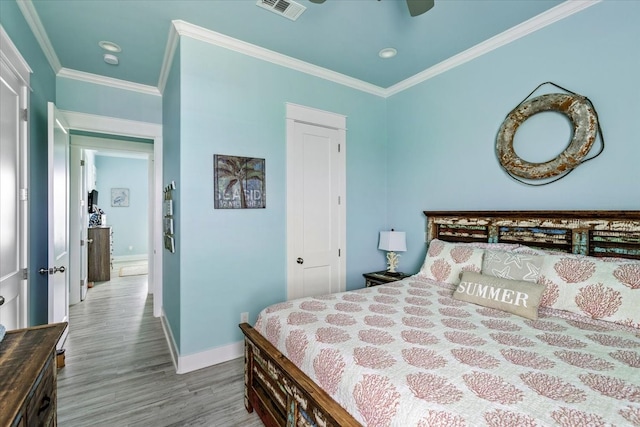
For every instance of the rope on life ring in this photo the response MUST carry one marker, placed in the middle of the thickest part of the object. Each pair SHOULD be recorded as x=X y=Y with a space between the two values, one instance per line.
x=578 y=109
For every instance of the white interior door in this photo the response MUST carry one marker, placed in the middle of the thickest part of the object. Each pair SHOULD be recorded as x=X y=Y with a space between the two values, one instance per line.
x=77 y=225
x=13 y=201
x=84 y=224
x=315 y=208
x=58 y=148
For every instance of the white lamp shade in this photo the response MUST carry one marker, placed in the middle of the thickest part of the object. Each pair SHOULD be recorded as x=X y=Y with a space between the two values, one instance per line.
x=393 y=241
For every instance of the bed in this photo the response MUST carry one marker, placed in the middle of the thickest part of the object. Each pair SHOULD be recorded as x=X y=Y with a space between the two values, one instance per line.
x=418 y=353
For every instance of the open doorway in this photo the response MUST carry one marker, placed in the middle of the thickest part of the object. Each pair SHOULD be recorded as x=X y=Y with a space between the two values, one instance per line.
x=111 y=203
x=120 y=183
x=130 y=137
x=123 y=180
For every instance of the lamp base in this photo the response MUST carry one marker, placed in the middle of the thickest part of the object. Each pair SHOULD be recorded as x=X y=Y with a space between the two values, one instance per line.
x=392 y=261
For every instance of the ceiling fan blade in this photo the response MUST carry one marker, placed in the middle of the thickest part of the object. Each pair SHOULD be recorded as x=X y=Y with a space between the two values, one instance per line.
x=317 y=1
x=418 y=7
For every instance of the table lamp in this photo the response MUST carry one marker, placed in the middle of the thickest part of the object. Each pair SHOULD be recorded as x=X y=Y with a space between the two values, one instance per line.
x=392 y=241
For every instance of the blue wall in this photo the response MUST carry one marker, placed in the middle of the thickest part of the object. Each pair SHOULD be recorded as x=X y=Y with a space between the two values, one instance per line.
x=101 y=100
x=44 y=90
x=128 y=224
x=171 y=163
x=234 y=260
x=429 y=147
x=442 y=132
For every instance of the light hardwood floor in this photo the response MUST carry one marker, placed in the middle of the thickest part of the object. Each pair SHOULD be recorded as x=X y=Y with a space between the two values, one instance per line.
x=119 y=372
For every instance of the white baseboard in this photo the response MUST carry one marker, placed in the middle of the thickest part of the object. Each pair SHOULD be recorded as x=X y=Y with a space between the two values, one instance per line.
x=203 y=359
x=129 y=258
x=171 y=343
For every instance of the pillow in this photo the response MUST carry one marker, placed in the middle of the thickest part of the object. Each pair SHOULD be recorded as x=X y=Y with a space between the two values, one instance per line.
x=513 y=296
x=511 y=265
x=445 y=261
x=497 y=246
x=601 y=288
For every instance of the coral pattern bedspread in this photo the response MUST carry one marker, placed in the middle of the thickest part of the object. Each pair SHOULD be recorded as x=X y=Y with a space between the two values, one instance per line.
x=407 y=354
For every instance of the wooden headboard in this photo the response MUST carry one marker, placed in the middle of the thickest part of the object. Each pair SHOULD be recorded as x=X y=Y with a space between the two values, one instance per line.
x=595 y=233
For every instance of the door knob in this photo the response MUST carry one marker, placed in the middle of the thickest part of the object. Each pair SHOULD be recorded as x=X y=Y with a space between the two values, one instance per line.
x=1 y=300
x=53 y=270
x=89 y=240
x=300 y=261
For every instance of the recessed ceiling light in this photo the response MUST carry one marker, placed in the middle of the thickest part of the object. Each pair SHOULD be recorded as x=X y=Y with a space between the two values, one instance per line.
x=110 y=46
x=111 y=59
x=387 y=52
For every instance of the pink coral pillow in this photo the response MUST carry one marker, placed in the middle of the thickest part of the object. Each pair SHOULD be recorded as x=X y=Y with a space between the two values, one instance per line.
x=595 y=287
x=445 y=261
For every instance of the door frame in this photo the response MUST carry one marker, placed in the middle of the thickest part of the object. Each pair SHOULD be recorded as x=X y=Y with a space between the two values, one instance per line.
x=13 y=59
x=80 y=145
x=299 y=113
x=123 y=127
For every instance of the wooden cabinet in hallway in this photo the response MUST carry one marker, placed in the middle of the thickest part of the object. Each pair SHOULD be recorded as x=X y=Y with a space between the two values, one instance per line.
x=99 y=254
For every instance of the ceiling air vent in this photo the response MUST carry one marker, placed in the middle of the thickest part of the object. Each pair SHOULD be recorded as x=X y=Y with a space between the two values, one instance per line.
x=287 y=8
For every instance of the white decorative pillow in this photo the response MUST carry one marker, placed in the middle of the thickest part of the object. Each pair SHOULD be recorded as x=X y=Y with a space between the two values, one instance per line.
x=512 y=265
x=495 y=246
x=600 y=288
x=513 y=296
x=445 y=261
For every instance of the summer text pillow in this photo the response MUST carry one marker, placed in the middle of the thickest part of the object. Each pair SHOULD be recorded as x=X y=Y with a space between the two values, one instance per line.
x=514 y=296
x=445 y=261
x=601 y=288
x=511 y=265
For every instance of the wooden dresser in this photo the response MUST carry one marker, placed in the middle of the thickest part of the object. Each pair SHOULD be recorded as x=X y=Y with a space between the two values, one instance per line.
x=28 y=376
x=99 y=254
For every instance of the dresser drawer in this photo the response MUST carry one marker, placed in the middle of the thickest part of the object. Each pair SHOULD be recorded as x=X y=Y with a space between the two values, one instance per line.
x=41 y=403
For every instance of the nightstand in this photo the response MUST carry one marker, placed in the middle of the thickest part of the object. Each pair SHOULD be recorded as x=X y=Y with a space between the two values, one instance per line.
x=381 y=277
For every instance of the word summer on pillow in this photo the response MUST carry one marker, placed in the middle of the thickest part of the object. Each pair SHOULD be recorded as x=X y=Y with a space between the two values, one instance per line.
x=504 y=295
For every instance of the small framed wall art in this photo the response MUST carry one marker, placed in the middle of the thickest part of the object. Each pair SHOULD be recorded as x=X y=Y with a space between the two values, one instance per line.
x=238 y=182
x=120 y=197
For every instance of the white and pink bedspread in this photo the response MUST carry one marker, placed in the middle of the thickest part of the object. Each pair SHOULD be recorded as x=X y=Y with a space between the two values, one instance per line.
x=406 y=354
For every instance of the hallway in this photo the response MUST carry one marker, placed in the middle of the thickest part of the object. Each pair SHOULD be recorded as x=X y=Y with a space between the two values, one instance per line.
x=119 y=371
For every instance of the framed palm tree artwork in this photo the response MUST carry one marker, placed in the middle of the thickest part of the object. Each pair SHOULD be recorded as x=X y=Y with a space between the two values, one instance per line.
x=238 y=182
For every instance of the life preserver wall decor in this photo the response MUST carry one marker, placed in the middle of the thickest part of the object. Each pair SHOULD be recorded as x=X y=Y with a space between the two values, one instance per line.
x=578 y=109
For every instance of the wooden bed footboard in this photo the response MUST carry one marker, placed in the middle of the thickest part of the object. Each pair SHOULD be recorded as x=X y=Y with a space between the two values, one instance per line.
x=280 y=393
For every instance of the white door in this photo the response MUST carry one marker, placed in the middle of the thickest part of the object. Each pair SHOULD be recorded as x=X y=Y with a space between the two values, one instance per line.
x=84 y=223
x=315 y=208
x=58 y=217
x=13 y=201
x=77 y=225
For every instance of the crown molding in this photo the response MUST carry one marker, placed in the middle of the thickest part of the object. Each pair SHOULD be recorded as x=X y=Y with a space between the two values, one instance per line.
x=33 y=20
x=108 y=81
x=195 y=32
x=534 y=24
x=169 y=52
x=182 y=28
